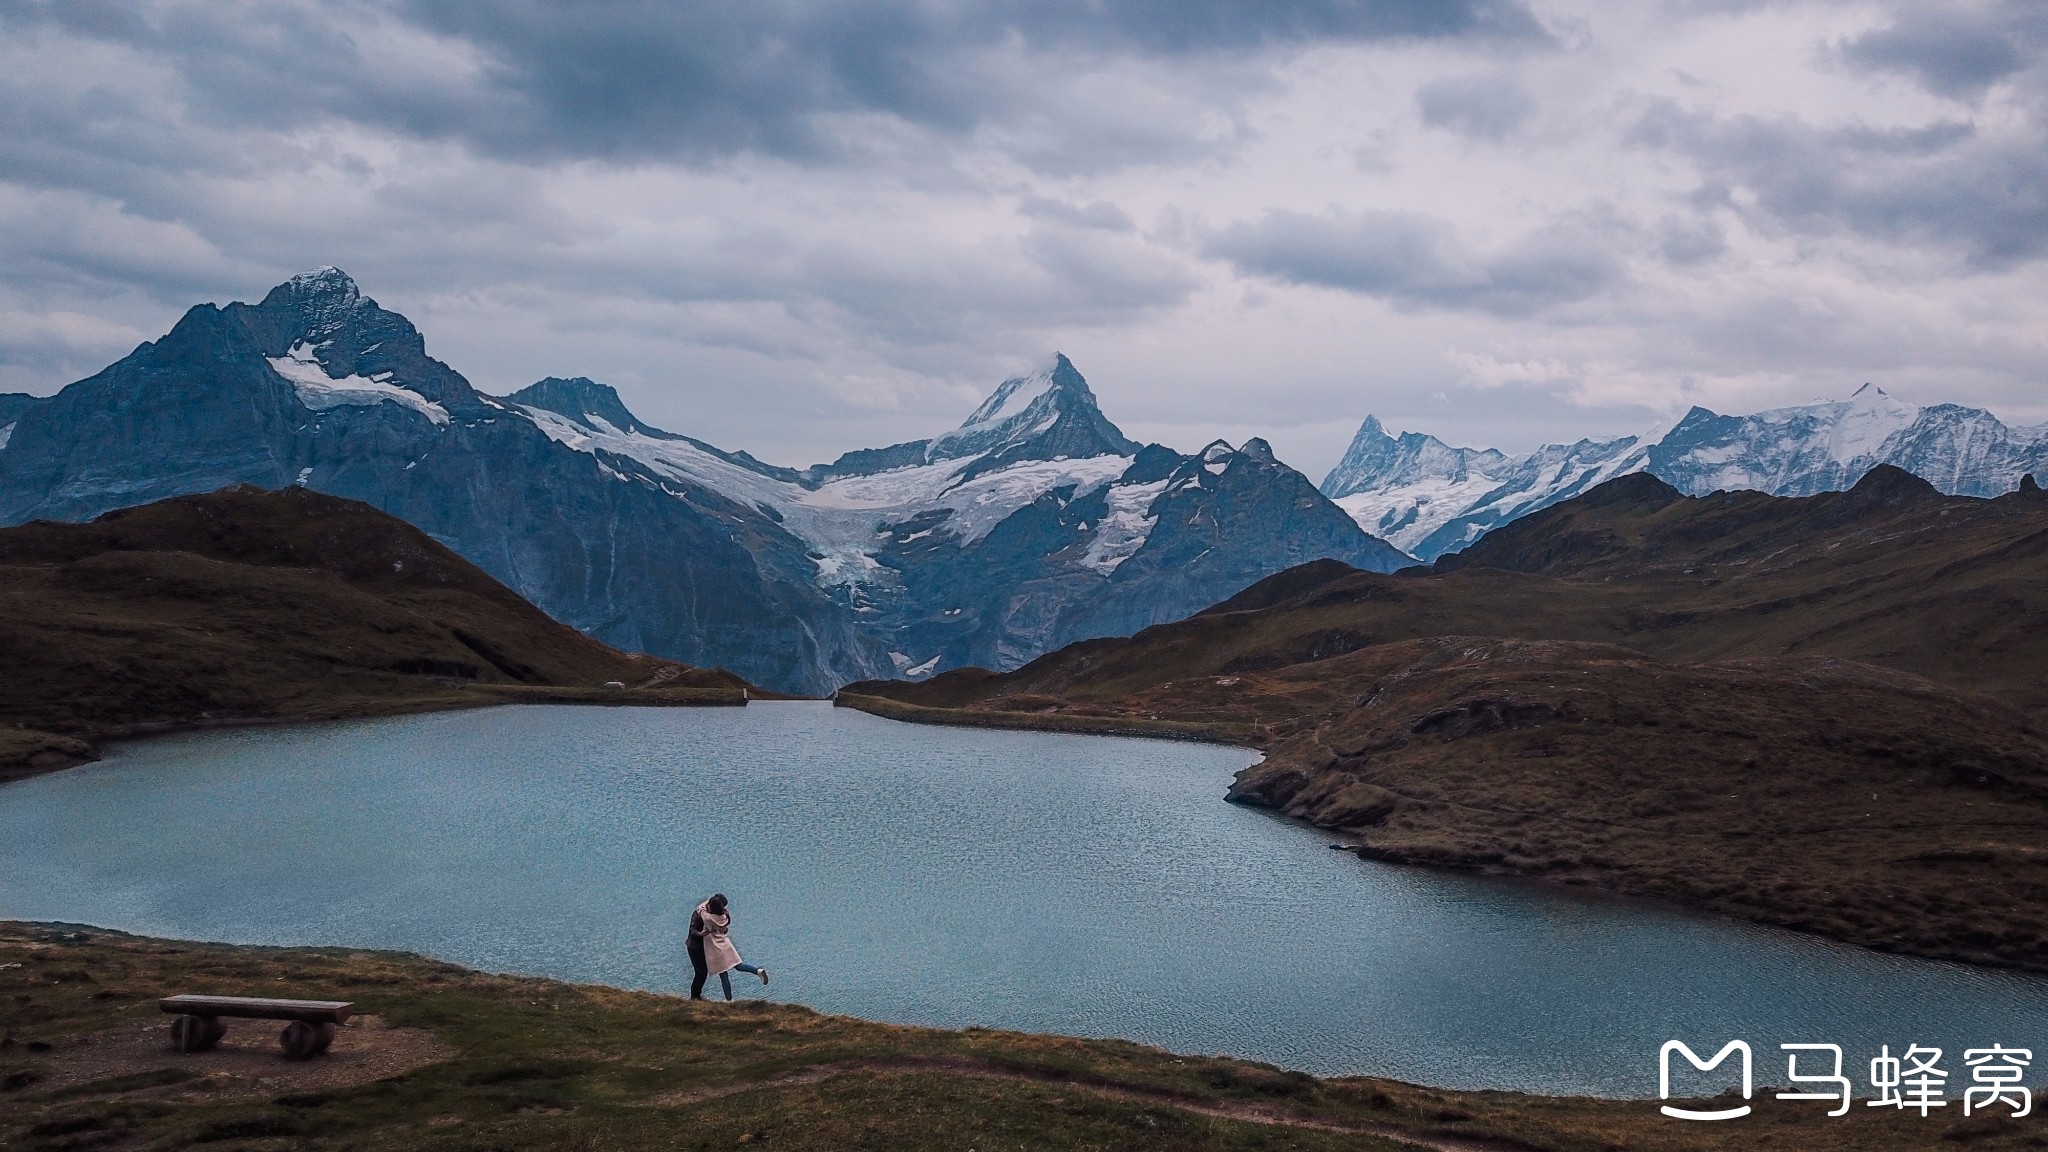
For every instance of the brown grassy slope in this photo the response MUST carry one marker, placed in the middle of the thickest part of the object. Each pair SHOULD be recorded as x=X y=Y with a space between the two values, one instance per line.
x=446 y=1058
x=248 y=604
x=1674 y=715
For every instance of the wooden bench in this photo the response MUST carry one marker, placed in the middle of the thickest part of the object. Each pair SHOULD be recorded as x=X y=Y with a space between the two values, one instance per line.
x=199 y=1024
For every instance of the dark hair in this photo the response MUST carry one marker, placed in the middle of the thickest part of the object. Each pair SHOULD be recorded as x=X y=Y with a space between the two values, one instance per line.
x=717 y=902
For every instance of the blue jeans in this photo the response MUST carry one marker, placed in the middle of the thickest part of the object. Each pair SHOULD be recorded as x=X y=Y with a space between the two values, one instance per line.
x=725 y=978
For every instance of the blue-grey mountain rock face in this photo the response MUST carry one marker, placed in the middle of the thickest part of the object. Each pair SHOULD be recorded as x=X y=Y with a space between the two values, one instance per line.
x=1430 y=499
x=318 y=386
x=1035 y=523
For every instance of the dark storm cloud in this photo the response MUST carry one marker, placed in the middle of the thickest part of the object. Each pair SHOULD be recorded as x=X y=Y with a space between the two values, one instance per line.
x=638 y=79
x=1481 y=107
x=1943 y=183
x=1417 y=261
x=1954 y=51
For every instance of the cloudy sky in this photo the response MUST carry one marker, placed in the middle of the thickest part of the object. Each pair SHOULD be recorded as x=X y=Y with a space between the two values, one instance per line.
x=799 y=228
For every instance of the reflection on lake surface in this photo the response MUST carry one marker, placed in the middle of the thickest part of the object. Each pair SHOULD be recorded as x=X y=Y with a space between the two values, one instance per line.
x=945 y=876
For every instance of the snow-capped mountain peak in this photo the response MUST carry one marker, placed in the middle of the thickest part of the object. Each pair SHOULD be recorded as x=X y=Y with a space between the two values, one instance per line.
x=1867 y=420
x=1043 y=416
x=586 y=402
x=348 y=335
x=1428 y=498
x=905 y=536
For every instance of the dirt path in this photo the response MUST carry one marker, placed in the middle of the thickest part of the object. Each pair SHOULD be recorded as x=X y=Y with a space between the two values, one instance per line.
x=972 y=1068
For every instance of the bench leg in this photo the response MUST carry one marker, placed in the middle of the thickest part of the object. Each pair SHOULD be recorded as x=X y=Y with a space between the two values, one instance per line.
x=197 y=1033
x=303 y=1041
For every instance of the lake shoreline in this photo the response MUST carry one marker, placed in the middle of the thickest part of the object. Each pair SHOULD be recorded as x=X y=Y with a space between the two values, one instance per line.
x=523 y=1062
x=1464 y=855
x=1063 y=884
x=26 y=753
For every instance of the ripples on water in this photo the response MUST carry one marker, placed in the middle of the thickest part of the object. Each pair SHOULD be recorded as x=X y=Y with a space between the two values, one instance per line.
x=943 y=876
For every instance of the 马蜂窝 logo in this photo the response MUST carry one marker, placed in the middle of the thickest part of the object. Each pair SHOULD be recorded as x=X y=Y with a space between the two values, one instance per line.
x=1664 y=1078
x=1914 y=1080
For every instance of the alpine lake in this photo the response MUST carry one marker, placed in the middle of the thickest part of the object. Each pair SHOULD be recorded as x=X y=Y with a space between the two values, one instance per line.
x=1043 y=882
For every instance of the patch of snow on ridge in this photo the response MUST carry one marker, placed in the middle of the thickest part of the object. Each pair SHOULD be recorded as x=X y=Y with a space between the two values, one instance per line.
x=6 y=434
x=910 y=671
x=1125 y=528
x=319 y=391
x=1405 y=515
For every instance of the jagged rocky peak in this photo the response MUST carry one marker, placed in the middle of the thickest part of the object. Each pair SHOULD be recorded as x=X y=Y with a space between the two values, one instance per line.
x=1043 y=416
x=1048 y=415
x=583 y=400
x=325 y=300
x=1376 y=459
x=321 y=318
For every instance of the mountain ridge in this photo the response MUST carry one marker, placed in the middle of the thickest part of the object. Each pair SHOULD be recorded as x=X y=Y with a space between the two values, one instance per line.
x=1033 y=523
x=1432 y=499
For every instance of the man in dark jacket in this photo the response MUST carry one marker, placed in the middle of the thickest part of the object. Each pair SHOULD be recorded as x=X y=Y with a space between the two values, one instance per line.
x=700 y=970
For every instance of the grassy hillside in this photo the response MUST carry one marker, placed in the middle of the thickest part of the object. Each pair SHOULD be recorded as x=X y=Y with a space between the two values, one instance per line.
x=1823 y=713
x=446 y=1058
x=247 y=604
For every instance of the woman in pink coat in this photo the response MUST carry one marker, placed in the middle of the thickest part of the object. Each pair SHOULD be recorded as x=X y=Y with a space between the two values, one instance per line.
x=711 y=950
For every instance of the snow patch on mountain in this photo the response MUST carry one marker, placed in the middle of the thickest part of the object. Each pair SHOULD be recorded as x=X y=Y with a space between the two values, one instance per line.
x=843 y=520
x=319 y=391
x=6 y=434
x=1125 y=528
x=909 y=669
x=977 y=504
x=1406 y=515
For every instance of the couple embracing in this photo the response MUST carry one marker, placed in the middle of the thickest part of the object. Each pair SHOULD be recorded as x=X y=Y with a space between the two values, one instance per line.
x=711 y=950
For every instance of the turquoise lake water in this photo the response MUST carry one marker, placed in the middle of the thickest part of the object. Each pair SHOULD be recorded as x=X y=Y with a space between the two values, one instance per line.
x=1035 y=881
